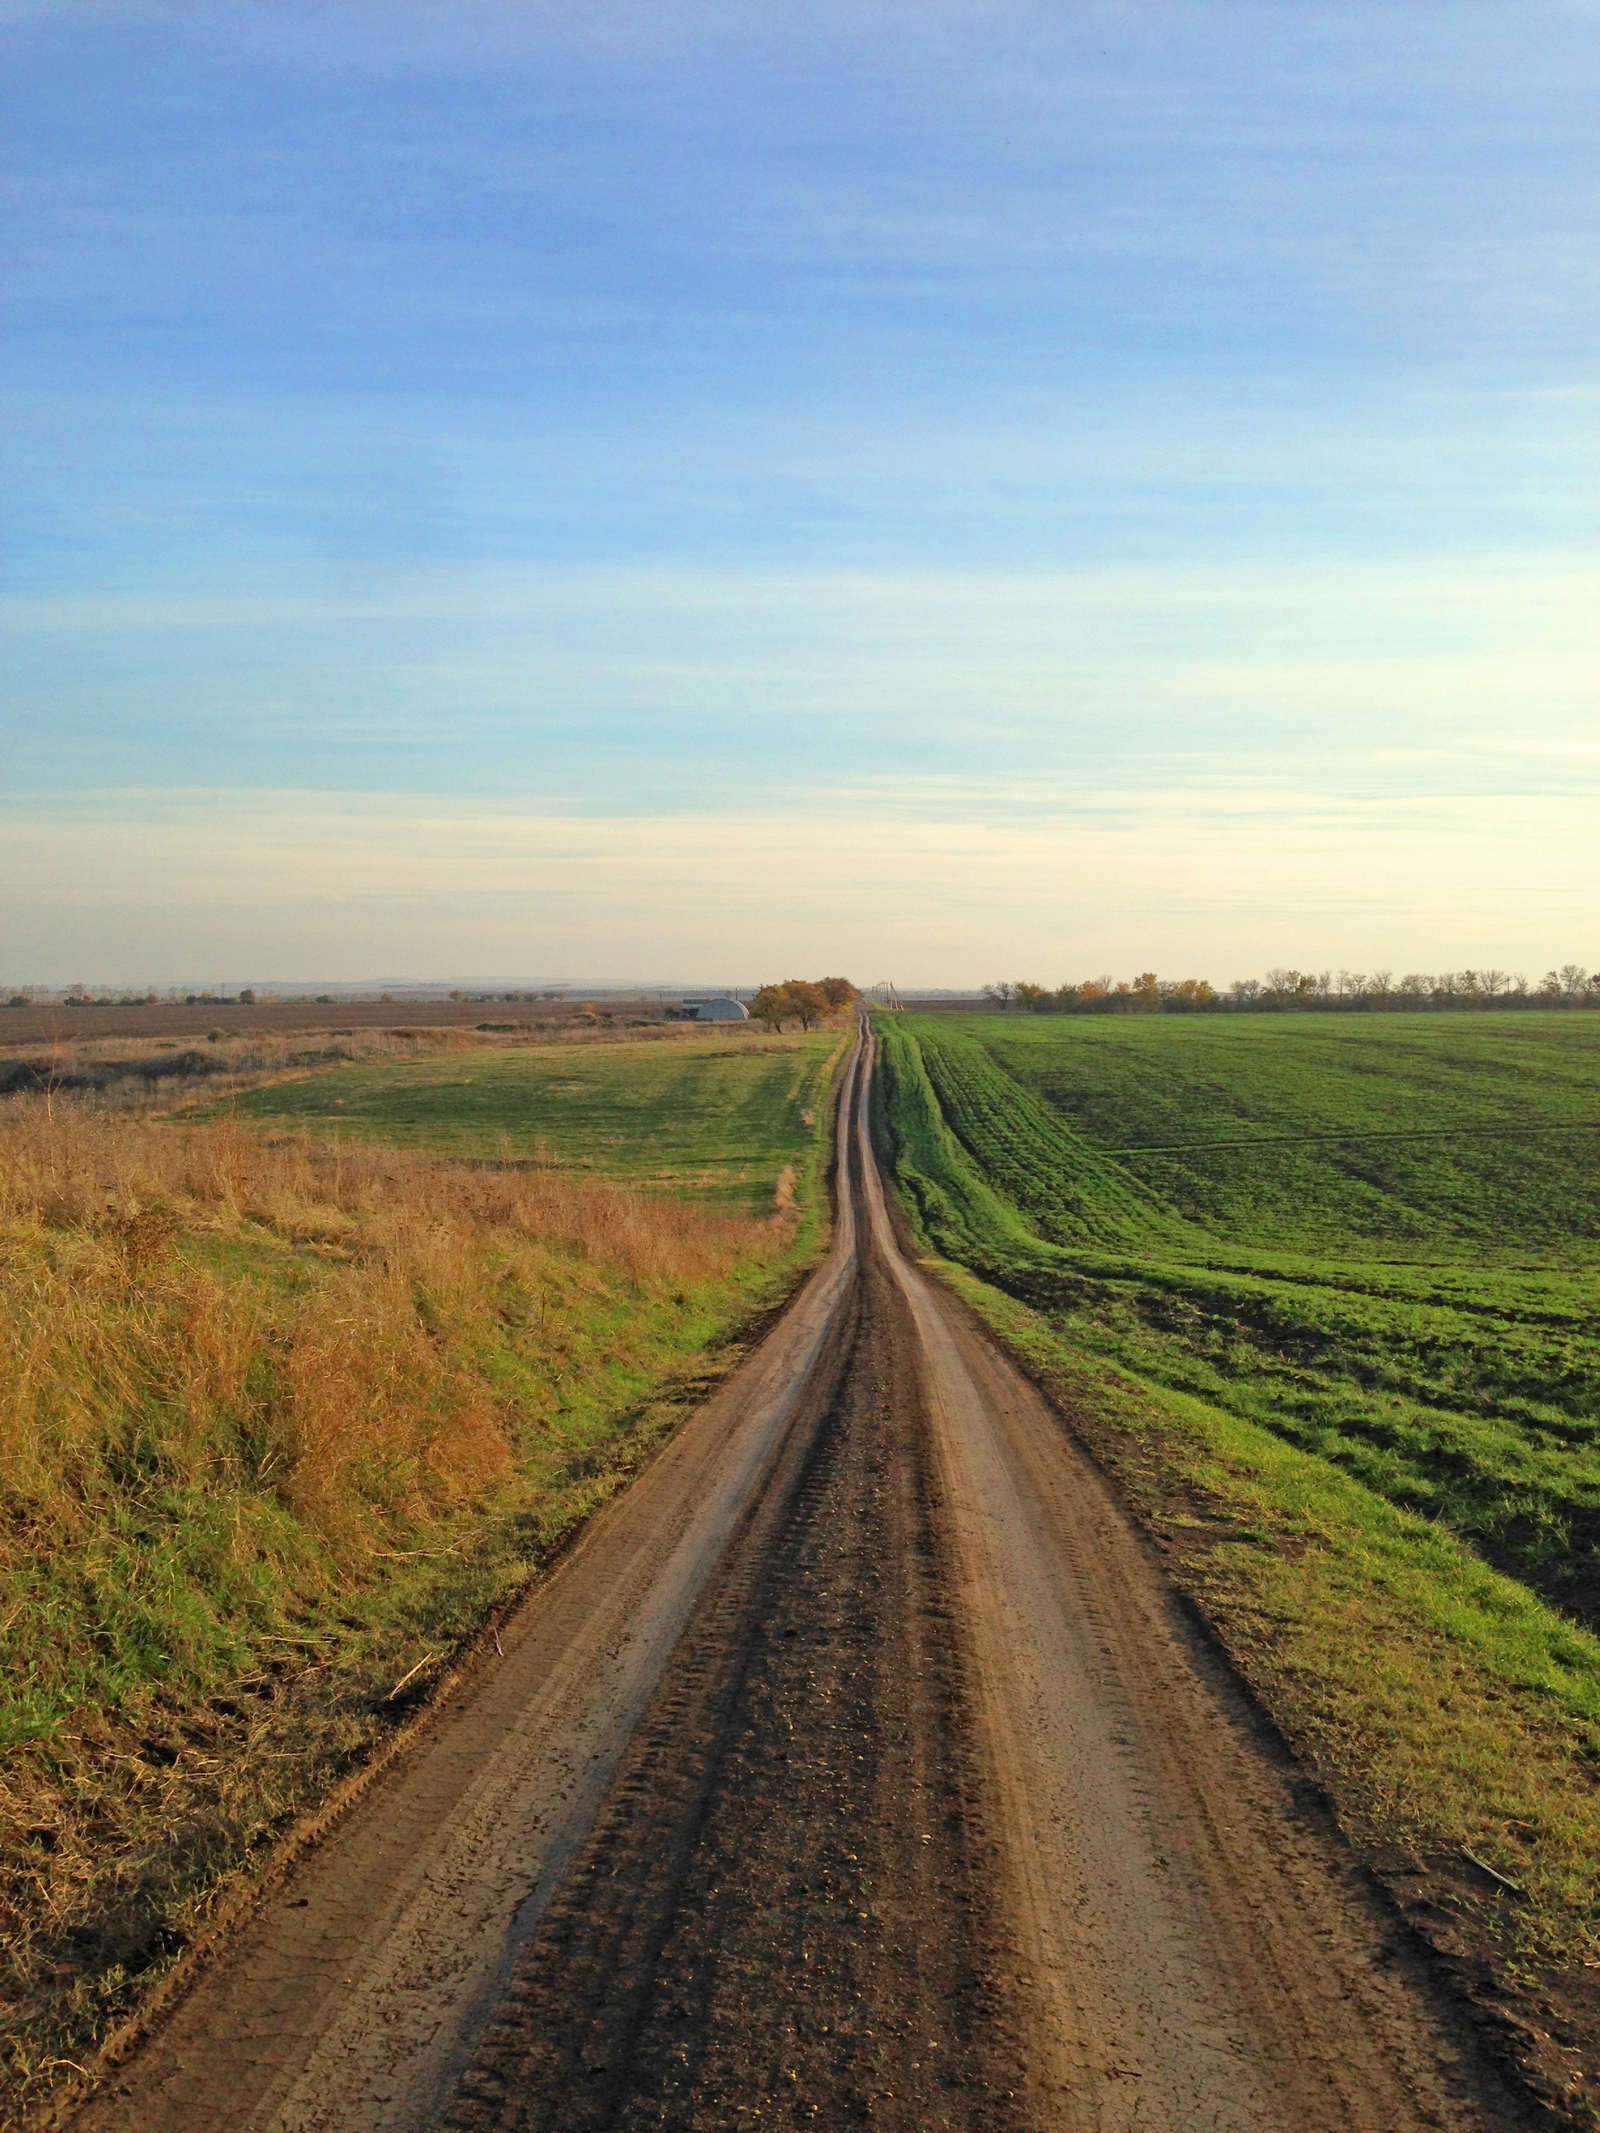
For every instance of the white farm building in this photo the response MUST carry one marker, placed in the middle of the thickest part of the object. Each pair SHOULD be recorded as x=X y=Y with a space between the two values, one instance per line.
x=716 y=1009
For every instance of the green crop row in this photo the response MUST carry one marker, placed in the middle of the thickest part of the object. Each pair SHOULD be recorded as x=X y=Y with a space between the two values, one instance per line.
x=1463 y=1390
x=1421 y=1136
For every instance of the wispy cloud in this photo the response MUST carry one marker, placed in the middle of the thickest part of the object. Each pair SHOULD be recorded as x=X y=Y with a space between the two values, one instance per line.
x=316 y=883
x=618 y=688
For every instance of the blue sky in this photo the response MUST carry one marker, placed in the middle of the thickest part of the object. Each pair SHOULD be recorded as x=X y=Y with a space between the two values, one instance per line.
x=691 y=489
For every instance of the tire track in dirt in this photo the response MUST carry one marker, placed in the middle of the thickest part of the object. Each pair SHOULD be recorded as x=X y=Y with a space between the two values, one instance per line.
x=787 y=1912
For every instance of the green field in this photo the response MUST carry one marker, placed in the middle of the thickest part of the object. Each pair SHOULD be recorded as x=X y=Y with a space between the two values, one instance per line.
x=1379 y=1240
x=719 y=1115
x=1329 y=1284
x=1421 y=1135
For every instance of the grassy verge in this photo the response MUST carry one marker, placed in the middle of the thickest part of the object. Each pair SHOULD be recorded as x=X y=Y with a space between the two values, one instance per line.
x=154 y=1073
x=282 y=1425
x=708 y=1112
x=1321 y=1513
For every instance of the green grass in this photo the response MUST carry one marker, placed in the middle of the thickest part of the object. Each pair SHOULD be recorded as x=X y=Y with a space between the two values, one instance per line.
x=717 y=1115
x=1420 y=1311
x=1324 y=1292
x=1421 y=1134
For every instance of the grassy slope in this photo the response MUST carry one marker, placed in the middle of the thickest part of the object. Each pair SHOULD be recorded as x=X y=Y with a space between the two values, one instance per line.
x=1438 y=1342
x=1343 y=1379
x=713 y=1113
x=279 y=1425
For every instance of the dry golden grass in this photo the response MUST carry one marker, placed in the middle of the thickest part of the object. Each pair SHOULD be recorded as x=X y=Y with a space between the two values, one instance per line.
x=341 y=1382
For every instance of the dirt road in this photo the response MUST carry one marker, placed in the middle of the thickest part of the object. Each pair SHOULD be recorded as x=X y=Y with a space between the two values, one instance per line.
x=857 y=1767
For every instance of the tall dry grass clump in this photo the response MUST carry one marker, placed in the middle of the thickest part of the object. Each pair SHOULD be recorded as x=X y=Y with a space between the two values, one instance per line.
x=339 y=1346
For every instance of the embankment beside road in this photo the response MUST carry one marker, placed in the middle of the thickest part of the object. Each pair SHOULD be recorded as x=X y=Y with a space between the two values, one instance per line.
x=282 y=1425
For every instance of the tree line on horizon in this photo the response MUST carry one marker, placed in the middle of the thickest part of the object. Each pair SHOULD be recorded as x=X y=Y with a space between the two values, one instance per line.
x=1282 y=991
x=807 y=1001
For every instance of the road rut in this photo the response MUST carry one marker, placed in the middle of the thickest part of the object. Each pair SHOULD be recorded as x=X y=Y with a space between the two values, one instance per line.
x=859 y=1766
